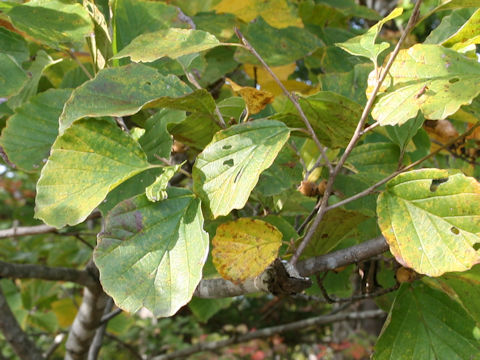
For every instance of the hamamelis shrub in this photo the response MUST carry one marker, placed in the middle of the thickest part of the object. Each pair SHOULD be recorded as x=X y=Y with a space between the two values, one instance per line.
x=172 y=157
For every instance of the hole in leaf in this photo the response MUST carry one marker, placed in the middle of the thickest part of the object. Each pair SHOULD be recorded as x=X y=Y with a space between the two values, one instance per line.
x=454 y=230
x=228 y=162
x=476 y=246
x=436 y=183
x=148 y=83
x=226 y=147
x=453 y=80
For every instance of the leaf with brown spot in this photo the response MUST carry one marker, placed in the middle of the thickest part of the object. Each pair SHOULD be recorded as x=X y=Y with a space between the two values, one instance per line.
x=243 y=248
x=431 y=220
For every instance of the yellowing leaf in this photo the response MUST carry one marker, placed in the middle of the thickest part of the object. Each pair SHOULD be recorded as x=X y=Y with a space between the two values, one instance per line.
x=243 y=248
x=228 y=169
x=429 y=78
x=262 y=75
x=467 y=35
x=255 y=100
x=266 y=82
x=430 y=219
x=291 y=86
x=277 y=13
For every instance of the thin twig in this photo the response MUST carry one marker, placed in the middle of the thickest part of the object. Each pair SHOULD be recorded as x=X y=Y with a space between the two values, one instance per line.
x=372 y=188
x=110 y=316
x=289 y=95
x=193 y=81
x=57 y=341
x=353 y=141
x=99 y=334
x=268 y=332
x=84 y=69
x=29 y=271
x=370 y=128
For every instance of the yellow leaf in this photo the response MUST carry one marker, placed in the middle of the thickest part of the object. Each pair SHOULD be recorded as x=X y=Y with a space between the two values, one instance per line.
x=255 y=100
x=243 y=248
x=277 y=13
x=262 y=76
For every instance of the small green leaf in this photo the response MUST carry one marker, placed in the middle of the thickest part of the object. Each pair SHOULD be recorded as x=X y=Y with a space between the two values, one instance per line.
x=244 y=248
x=426 y=324
x=402 y=134
x=333 y=117
x=118 y=92
x=152 y=254
x=277 y=46
x=430 y=219
x=87 y=161
x=364 y=45
x=40 y=64
x=12 y=76
x=53 y=22
x=171 y=42
x=158 y=190
x=31 y=131
x=437 y=87
x=229 y=167
x=156 y=141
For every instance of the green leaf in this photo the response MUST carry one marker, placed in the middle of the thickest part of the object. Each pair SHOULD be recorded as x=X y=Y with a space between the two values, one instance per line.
x=53 y=22
x=91 y=158
x=374 y=161
x=157 y=142
x=229 y=167
x=135 y=17
x=449 y=25
x=364 y=45
x=131 y=187
x=30 y=87
x=465 y=288
x=170 y=42
x=158 y=190
x=402 y=134
x=467 y=35
x=437 y=87
x=332 y=116
x=430 y=219
x=350 y=84
x=12 y=76
x=277 y=46
x=243 y=248
x=151 y=254
x=31 y=131
x=204 y=309
x=337 y=225
x=14 y=45
x=286 y=164
x=426 y=324
x=118 y=92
